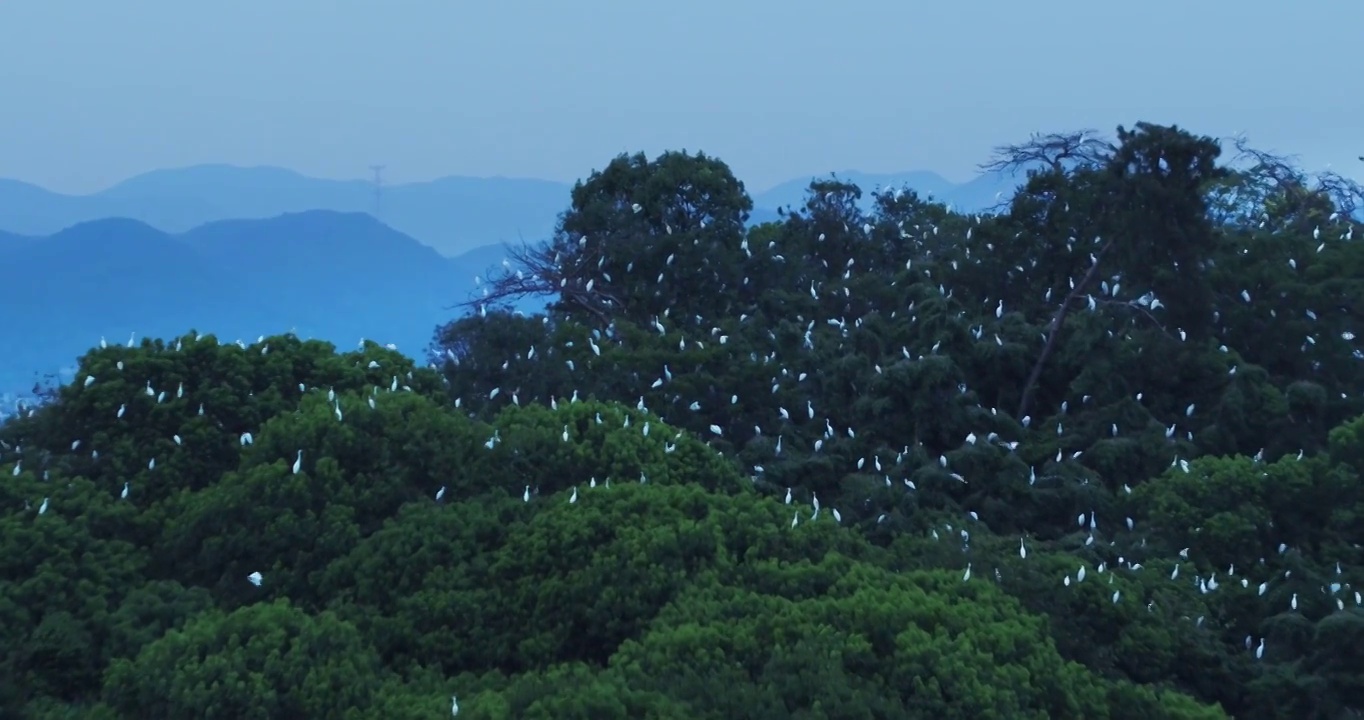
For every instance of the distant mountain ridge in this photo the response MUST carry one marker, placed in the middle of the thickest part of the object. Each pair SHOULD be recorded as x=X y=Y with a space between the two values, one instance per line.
x=320 y=274
x=451 y=214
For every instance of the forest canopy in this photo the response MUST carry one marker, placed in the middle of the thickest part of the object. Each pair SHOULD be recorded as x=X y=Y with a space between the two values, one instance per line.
x=1096 y=454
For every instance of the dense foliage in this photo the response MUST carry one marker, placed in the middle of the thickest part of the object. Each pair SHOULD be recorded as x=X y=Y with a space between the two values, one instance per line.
x=1097 y=455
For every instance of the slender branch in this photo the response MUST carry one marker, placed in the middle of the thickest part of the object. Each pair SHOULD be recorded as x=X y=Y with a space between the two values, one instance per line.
x=1054 y=330
x=1132 y=305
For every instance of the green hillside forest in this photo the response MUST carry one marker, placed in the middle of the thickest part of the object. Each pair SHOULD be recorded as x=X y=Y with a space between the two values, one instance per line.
x=1096 y=454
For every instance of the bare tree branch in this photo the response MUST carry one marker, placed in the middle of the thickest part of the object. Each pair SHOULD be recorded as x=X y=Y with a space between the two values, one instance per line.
x=540 y=270
x=1278 y=168
x=1056 y=151
x=1134 y=305
x=1297 y=187
x=1346 y=194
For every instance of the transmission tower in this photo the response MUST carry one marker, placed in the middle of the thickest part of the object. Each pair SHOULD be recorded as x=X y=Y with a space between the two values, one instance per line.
x=378 y=171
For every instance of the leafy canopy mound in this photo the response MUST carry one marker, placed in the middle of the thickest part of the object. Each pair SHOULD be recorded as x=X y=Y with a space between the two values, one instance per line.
x=1095 y=455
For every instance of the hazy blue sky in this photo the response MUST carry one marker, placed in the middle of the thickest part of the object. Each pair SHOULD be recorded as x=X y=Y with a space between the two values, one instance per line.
x=93 y=91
